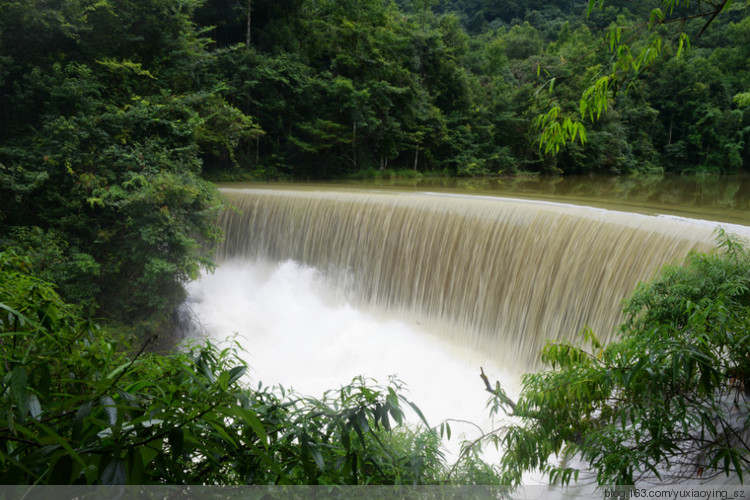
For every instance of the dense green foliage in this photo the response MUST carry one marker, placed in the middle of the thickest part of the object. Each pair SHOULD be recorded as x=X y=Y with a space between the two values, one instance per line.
x=111 y=111
x=340 y=88
x=75 y=408
x=104 y=108
x=669 y=399
x=633 y=57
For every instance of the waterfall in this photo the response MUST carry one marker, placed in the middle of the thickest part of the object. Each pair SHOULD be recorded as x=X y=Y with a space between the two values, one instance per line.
x=493 y=275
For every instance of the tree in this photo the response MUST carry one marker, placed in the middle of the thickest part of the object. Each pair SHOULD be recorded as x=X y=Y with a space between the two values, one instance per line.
x=108 y=116
x=670 y=399
x=628 y=64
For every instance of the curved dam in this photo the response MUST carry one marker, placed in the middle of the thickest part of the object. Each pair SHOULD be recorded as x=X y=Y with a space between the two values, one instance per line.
x=492 y=275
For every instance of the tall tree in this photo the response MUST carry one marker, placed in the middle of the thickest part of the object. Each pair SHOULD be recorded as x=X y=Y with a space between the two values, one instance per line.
x=629 y=63
x=106 y=110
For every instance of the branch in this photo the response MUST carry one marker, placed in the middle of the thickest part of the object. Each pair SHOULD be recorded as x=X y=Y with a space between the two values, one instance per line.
x=715 y=13
x=127 y=368
x=498 y=391
x=486 y=381
x=460 y=421
x=20 y=440
x=467 y=447
x=717 y=8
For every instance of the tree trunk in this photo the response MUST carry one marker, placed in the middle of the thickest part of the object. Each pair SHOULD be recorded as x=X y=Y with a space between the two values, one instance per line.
x=249 y=14
x=383 y=162
x=671 y=122
x=354 y=144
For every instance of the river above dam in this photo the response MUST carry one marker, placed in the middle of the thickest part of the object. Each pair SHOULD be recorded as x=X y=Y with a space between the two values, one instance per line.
x=716 y=198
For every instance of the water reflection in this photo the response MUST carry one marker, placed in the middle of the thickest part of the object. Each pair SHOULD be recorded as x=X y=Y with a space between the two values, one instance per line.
x=725 y=199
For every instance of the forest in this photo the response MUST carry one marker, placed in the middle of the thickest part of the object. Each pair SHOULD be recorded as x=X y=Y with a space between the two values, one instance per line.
x=115 y=116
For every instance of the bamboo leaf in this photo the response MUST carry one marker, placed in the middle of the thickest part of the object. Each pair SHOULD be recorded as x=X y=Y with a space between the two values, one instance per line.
x=135 y=466
x=220 y=430
x=110 y=409
x=18 y=381
x=418 y=412
x=318 y=458
x=236 y=373
x=249 y=417
x=35 y=408
x=83 y=412
x=114 y=473
x=737 y=463
x=176 y=440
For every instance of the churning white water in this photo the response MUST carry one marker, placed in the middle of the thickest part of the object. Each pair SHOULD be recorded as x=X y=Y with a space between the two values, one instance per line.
x=299 y=333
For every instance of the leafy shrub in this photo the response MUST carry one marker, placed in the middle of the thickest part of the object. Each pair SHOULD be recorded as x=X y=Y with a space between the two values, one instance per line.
x=669 y=399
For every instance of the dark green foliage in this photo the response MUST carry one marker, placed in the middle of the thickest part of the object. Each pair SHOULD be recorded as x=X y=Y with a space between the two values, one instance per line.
x=669 y=399
x=106 y=117
x=110 y=112
x=327 y=89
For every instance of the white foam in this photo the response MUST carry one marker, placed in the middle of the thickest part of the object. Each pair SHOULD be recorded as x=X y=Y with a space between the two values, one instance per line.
x=297 y=335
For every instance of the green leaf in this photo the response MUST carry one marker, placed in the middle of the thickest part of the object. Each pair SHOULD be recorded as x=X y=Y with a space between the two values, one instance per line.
x=249 y=417
x=135 y=466
x=110 y=409
x=18 y=381
x=235 y=374
x=114 y=473
x=128 y=398
x=61 y=471
x=221 y=431
x=53 y=437
x=318 y=458
x=418 y=412
x=657 y=16
x=116 y=371
x=35 y=408
x=737 y=463
x=592 y=4
x=23 y=320
x=684 y=41
x=150 y=451
x=83 y=412
x=362 y=421
x=396 y=414
x=45 y=380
